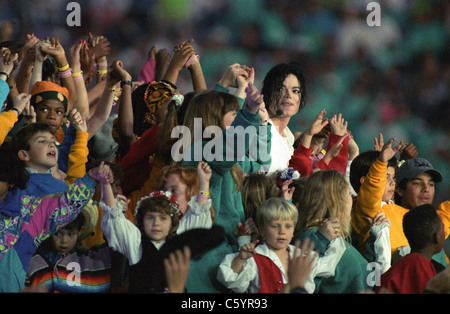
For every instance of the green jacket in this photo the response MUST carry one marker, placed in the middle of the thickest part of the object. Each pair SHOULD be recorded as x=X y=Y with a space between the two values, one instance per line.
x=351 y=272
x=227 y=202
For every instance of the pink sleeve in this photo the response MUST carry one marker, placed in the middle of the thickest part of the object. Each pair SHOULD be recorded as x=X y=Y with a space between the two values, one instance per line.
x=147 y=72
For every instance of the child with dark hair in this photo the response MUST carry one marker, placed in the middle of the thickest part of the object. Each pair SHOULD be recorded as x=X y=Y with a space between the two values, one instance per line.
x=26 y=220
x=156 y=221
x=375 y=186
x=424 y=230
x=52 y=264
x=372 y=176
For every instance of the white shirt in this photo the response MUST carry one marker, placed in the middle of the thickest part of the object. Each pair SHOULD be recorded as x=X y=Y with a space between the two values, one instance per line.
x=281 y=149
x=248 y=279
x=124 y=237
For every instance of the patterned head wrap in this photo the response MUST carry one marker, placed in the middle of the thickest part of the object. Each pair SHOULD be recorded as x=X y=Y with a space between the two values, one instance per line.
x=156 y=94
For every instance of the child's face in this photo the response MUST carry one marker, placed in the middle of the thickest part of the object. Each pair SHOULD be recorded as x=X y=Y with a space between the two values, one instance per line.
x=43 y=154
x=117 y=188
x=157 y=226
x=228 y=118
x=390 y=185
x=65 y=240
x=178 y=188
x=51 y=112
x=418 y=191
x=278 y=233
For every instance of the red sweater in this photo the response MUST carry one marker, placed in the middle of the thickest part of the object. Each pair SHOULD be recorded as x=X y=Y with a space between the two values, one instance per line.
x=135 y=163
x=301 y=161
x=408 y=275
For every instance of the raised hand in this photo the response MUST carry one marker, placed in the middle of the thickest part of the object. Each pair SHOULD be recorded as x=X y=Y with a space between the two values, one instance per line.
x=100 y=46
x=181 y=54
x=204 y=172
x=29 y=51
x=77 y=120
x=55 y=49
x=301 y=264
x=334 y=151
x=286 y=192
x=331 y=228
x=102 y=173
x=378 y=143
x=387 y=152
x=7 y=61
x=338 y=125
x=254 y=98
x=318 y=124
x=21 y=101
x=408 y=152
x=117 y=73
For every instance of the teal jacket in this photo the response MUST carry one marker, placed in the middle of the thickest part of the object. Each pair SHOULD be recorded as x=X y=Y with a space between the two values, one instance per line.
x=227 y=202
x=351 y=272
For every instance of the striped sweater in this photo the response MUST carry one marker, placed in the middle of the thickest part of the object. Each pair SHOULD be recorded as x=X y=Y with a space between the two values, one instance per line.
x=82 y=271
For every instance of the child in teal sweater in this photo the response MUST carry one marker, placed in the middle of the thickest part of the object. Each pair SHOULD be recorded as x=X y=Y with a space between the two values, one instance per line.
x=228 y=166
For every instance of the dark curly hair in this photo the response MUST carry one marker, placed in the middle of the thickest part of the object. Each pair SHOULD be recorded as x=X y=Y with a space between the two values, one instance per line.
x=274 y=81
x=12 y=169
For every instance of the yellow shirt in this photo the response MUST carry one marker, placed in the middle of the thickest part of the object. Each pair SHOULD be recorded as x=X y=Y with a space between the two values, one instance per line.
x=369 y=203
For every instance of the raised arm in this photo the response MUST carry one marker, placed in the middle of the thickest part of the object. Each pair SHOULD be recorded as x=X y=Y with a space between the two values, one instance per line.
x=56 y=50
x=182 y=53
x=26 y=66
x=125 y=114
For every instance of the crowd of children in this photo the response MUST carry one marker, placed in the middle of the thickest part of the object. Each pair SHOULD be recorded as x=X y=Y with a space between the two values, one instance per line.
x=109 y=184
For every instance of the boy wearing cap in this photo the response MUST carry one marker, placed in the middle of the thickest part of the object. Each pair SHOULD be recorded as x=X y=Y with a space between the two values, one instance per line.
x=416 y=180
x=374 y=188
x=416 y=186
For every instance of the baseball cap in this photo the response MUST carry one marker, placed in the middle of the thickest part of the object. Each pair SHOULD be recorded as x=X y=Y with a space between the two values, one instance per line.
x=411 y=168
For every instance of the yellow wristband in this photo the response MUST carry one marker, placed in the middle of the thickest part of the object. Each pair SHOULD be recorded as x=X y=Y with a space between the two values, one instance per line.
x=112 y=89
x=204 y=193
x=102 y=71
x=62 y=69
x=77 y=74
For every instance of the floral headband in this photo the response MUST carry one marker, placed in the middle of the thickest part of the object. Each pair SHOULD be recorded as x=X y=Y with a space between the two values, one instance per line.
x=167 y=195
